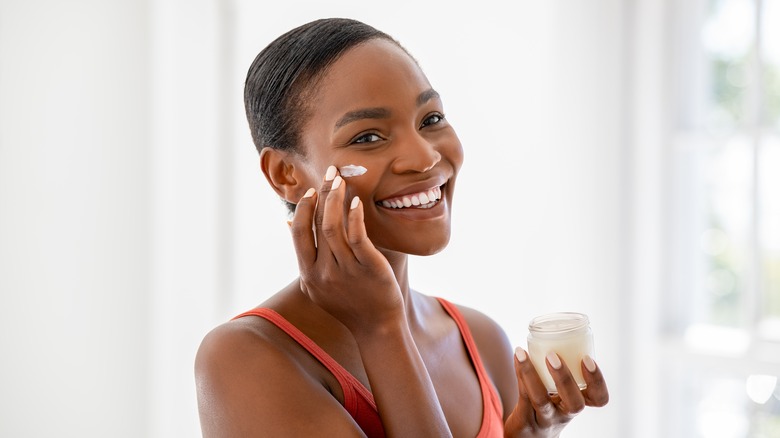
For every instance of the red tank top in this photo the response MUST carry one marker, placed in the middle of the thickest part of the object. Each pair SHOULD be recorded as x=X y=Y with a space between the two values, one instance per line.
x=359 y=401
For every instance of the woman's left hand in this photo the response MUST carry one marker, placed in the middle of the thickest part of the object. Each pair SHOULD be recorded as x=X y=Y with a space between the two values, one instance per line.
x=540 y=414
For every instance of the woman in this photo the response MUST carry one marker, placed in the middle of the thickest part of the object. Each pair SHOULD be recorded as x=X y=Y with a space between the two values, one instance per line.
x=348 y=348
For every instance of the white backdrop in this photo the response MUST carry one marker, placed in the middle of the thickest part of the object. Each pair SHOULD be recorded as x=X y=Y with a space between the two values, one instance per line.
x=133 y=216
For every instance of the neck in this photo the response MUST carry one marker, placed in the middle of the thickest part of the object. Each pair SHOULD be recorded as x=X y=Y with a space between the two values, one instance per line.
x=400 y=264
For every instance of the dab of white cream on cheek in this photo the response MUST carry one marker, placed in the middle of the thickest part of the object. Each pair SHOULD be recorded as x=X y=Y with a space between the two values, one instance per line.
x=351 y=170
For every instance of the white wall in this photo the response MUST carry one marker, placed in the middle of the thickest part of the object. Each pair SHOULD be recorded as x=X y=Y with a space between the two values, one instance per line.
x=74 y=218
x=127 y=232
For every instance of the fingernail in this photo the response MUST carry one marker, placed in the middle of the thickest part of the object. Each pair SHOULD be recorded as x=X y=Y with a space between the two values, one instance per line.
x=589 y=363
x=520 y=354
x=336 y=183
x=330 y=173
x=309 y=193
x=554 y=360
x=355 y=202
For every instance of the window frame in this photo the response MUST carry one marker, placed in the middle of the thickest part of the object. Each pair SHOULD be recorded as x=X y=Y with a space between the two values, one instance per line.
x=743 y=352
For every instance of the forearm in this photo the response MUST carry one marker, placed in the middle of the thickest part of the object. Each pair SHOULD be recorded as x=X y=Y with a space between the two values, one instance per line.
x=400 y=383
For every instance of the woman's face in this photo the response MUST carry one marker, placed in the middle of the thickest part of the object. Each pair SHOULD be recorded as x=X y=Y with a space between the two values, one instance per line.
x=375 y=108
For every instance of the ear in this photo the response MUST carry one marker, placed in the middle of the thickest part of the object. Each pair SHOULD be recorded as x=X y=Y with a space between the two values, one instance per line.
x=283 y=171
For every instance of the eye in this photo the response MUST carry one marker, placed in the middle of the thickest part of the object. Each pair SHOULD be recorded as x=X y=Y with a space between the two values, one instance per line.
x=432 y=119
x=367 y=138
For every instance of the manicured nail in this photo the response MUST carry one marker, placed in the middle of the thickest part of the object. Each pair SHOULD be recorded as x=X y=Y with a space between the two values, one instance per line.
x=309 y=193
x=330 y=173
x=589 y=363
x=554 y=360
x=336 y=183
x=355 y=202
x=520 y=354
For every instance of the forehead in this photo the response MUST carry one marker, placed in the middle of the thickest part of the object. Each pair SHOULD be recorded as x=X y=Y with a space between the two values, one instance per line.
x=376 y=73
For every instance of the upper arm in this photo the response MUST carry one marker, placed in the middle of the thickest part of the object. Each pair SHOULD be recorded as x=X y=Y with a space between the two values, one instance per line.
x=248 y=387
x=497 y=355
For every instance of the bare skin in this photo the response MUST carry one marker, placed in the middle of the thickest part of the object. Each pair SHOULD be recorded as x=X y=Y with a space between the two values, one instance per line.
x=375 y=108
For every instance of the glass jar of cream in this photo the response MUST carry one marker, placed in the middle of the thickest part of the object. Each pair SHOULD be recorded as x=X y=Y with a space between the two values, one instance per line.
x=568 y=335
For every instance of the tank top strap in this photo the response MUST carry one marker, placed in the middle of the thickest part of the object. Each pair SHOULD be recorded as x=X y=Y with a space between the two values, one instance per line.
x=492 y=408
x=350 y=386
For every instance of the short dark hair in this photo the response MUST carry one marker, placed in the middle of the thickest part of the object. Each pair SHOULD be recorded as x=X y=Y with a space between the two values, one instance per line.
x=284 y=74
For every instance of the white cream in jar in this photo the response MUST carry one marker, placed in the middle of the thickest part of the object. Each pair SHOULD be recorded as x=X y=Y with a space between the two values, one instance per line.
x=568 y=335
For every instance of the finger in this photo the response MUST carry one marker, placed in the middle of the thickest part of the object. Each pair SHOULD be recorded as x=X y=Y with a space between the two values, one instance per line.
x=361 y=245
x=537 y=394
x=334 y=224
x=300 y=228
x=524 y=404
x=327 y=181
x=596 y=394
x=572 y=402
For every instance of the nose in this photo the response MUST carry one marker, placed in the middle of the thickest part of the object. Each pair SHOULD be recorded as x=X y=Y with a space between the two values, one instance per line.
x=415 y=154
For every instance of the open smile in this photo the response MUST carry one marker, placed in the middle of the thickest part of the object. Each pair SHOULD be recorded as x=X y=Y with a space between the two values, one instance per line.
x=421 y=200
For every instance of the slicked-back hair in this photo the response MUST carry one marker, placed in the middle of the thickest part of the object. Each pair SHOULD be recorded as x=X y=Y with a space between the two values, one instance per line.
x=286 y=73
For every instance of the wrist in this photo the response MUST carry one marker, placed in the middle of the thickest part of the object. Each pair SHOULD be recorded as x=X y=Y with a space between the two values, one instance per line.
x=381 y=331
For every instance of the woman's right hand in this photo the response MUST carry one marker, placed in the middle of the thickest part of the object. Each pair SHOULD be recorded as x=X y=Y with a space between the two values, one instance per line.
x=348 y=277
x=341 y=271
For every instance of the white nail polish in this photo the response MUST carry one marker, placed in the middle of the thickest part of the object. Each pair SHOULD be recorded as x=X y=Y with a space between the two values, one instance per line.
x=355 y=202
x=554 y=360
x=336 y=183
x=330 y=173
x=521 y=355
x=590 y=365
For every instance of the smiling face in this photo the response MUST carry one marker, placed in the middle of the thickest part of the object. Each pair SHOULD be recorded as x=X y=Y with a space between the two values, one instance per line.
x=375 y=108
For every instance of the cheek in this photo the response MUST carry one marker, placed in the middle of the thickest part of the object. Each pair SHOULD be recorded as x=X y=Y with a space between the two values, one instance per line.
x=362 y=186
x=455 y=151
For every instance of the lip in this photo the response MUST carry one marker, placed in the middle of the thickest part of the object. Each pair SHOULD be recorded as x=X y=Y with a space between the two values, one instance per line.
x=422 y=186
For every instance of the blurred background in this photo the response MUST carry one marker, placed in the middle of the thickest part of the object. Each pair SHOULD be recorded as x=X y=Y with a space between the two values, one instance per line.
x=622 y=160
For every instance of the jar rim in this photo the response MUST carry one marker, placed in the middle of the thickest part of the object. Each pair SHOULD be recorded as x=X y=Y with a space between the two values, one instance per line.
x=559 y=322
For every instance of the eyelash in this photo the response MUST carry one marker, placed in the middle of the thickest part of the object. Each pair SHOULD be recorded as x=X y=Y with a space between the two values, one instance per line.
x=363 y=138
x=426 y=121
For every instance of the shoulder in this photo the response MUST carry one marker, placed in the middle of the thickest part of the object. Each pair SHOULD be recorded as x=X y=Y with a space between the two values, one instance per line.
x=496 y=352
x=249 y=384
x=481 y=325
x=232 y=345
x=231 y=361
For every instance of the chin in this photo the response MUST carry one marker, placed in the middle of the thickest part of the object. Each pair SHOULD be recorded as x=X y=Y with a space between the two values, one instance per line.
x=427 y=248
x=430 y=250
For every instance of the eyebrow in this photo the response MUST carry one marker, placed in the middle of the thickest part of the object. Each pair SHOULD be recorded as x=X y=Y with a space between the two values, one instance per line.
x=365 y=113
x=380 y=113
x=427 y=95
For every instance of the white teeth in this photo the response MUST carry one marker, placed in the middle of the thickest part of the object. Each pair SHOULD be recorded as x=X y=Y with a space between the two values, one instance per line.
x=425 y=199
